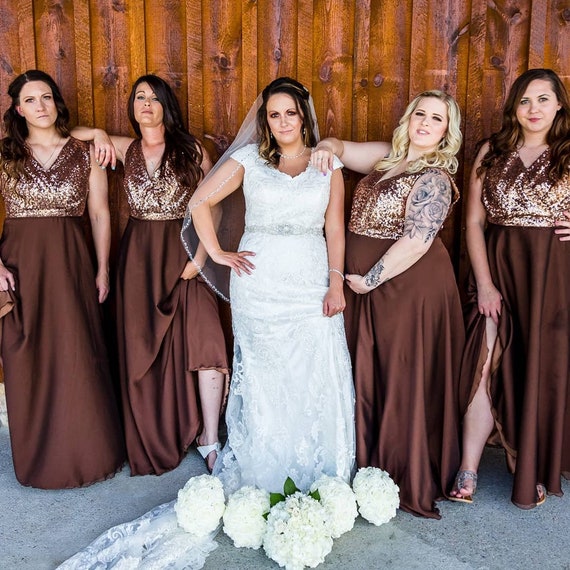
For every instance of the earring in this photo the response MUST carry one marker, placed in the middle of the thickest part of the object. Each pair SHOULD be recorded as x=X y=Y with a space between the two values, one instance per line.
x=304 y=131
x=270 y=135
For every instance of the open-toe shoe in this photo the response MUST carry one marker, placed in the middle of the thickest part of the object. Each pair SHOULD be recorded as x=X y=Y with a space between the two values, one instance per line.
x=463 y=477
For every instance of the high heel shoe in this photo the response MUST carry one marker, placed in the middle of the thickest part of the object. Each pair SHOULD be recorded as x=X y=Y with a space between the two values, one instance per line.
x=205 y=450
x=463 y=476
x=540 y=494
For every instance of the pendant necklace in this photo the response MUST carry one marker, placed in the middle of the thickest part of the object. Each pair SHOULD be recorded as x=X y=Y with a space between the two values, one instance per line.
x=46 y=162
x=290 y=156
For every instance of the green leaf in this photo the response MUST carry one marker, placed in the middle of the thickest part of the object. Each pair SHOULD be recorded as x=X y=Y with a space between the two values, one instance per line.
x=275 y=498
x=289 y=487
x=315 y=495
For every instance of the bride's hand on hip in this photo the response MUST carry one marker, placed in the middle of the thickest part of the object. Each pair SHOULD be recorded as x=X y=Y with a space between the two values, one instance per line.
x=333 y=302
x=236 y=260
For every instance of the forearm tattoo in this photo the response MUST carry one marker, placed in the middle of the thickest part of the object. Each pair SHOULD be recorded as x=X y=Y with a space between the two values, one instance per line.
x=374 y=277
x=428 y=205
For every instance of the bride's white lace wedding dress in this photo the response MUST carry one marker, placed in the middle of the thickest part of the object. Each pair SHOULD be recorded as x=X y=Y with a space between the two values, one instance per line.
x=290 y=411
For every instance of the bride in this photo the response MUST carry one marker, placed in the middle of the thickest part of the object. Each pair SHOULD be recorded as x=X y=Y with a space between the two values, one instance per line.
x=290 y=411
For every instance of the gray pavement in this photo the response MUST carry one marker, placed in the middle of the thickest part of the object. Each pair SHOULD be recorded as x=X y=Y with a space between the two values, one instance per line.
x=39 y=529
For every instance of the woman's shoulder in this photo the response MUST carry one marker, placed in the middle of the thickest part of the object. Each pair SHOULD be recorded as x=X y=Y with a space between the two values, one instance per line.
x=245 y=153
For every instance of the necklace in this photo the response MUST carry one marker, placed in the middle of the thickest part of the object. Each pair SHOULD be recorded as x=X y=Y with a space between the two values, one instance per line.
x=44 y=163
x=153 y=167
x=289 y=156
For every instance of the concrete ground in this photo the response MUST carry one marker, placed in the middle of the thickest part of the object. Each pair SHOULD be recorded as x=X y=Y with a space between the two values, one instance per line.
x=40 y=529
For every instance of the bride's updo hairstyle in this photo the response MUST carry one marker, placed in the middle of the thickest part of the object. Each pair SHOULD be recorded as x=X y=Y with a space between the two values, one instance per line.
x=268 y=147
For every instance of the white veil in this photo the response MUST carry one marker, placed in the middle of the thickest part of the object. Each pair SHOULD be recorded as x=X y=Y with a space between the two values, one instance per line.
x=230 y=217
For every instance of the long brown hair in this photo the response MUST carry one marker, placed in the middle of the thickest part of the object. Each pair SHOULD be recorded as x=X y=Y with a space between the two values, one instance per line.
x=13 y=148
x=510 y=134
x=182 y=149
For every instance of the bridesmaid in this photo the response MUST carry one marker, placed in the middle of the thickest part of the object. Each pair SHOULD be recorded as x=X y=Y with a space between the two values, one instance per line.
x=172 y=350
x=517 y=357
x=403 y=315
x=64 y=422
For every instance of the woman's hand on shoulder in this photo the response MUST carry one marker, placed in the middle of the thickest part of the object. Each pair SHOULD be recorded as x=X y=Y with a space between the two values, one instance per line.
x=563 y=227
x=190 y=271
x=322 y=156
x=334 y=302
x=236 y=260
x=102 y=284
x=7 y=280
x=105 y=153
x=489 y=302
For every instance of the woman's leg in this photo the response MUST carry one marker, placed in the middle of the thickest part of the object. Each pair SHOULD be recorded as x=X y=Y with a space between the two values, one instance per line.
x=477 y=423
x=211 y=386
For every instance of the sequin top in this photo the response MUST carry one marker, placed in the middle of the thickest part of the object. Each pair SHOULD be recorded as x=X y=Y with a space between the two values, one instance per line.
x=514 y=195
x=379 y=206
x=153 y=197
x=58 y=191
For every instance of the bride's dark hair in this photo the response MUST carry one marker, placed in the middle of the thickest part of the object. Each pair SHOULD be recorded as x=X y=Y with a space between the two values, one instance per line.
x=268 y=147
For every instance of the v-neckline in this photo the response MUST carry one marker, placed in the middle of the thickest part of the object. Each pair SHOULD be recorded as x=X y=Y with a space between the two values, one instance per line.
x=534 y=161
x=43 y=169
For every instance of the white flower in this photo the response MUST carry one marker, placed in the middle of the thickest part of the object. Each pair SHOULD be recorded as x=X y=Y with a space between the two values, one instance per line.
x=244 y=522
x=200 y=505
x=377 y=495
x=339 y=502
x=298 y=534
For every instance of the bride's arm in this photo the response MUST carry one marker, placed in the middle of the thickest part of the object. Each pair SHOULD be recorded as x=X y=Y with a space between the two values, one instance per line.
x=226 y=180
x=334 y=231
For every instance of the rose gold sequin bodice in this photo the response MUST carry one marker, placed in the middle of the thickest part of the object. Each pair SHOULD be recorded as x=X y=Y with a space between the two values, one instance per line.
x=59 y=191
x=153 y=197
x=514 y=195
x=379 y=206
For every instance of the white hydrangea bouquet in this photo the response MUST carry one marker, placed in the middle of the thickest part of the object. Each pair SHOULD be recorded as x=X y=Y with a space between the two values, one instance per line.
x=295 y=529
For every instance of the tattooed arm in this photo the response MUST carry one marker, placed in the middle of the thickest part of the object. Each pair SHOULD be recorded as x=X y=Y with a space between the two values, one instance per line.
x=426 y=209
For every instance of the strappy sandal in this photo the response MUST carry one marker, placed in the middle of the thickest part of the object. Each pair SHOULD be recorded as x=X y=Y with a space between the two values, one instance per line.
x=205 y=450
x=461 y=479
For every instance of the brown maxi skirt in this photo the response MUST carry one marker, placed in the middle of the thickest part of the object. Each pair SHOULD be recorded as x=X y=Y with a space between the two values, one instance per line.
x=64 y=422
x=406 y=340
x=167 y=330
x=530 y=380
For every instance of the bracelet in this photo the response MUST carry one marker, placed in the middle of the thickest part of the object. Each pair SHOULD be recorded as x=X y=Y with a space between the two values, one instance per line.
x=337 y=271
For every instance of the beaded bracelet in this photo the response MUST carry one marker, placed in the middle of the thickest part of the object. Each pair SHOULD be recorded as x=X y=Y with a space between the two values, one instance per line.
x=337 y=271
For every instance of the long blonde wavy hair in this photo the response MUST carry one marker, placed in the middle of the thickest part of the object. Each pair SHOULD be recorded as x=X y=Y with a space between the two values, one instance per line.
x=444 y=155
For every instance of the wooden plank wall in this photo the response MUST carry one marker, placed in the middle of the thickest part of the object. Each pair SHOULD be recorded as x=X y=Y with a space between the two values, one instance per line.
x=363 y=60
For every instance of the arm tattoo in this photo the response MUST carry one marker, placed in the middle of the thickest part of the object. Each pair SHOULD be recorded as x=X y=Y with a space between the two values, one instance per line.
x=428 y=205
x=374 y=277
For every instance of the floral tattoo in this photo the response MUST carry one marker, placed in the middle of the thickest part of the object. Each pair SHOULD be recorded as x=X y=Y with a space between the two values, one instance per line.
x=428 y=205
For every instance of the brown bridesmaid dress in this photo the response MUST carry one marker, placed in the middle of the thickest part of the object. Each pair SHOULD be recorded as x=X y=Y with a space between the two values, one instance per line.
x=168 y=328
x=530 y=380
x=406 y=340
x=64 y=422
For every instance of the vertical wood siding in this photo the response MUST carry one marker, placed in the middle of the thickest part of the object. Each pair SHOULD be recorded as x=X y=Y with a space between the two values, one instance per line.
x=363 y=61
